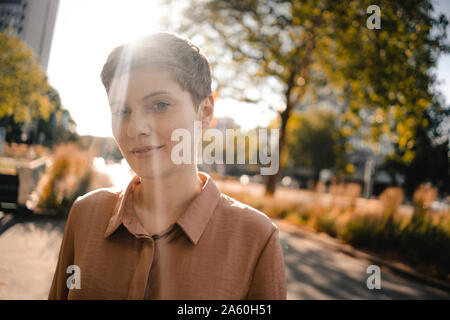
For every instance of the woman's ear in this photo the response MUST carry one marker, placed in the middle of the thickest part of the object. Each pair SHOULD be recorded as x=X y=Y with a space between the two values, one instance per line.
x=206 y=111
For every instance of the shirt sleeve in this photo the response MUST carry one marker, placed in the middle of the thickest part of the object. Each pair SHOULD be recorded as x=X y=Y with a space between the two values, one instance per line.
x=269 y=278
x=59 y=289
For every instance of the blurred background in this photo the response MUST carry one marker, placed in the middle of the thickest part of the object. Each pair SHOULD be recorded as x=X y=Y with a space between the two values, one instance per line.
x=360 y=96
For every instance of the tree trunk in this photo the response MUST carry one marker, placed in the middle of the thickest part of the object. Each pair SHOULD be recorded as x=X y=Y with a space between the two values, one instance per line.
x=296 y=69
x=272 y=180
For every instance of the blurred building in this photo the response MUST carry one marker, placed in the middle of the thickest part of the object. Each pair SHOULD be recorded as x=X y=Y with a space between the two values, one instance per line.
x=224 y=123
x=33 y=21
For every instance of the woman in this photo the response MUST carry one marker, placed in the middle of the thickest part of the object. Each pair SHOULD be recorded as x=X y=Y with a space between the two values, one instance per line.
x=171 y=234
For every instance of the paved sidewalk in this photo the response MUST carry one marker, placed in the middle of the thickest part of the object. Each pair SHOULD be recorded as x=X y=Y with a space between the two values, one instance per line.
x=28 y=256
x=320 y=267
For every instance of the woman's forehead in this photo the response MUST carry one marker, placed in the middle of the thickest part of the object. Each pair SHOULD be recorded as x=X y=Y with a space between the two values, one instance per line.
x=141 y=84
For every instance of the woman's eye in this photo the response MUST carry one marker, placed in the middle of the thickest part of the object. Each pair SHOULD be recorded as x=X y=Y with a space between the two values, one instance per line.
x=121 y=112
x=161 y=106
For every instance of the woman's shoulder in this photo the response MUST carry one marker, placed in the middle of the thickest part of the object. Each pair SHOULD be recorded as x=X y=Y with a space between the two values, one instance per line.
x=242 y=215
x=96 y=203
x=101 y=195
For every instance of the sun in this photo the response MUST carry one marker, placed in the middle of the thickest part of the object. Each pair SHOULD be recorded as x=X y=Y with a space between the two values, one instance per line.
x=85 y=32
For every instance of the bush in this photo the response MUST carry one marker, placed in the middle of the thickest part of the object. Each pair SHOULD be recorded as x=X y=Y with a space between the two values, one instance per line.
x=360 y=231
x=326 y=224
x=391 y=199
x=67 y=178
x=419 y=241
x=423 y=241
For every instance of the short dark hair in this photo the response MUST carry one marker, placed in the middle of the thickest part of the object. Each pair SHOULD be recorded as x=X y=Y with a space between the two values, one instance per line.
x=167 y=51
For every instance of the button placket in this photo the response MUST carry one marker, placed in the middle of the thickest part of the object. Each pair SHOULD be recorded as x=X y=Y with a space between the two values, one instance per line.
x=139 y=281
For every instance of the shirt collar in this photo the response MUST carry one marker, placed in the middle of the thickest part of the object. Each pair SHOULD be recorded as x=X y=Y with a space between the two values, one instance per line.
x=193 y=221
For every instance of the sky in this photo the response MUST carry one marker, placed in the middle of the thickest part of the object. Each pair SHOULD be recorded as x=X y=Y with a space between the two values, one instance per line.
x=87 y=30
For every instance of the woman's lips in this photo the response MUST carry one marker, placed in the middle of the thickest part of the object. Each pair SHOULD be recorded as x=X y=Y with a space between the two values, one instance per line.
x=145 y=152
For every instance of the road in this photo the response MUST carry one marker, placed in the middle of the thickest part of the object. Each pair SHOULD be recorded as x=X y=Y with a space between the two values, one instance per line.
x=29 y=251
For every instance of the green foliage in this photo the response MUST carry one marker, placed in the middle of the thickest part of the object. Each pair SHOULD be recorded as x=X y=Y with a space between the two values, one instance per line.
x=26 y=98
x=388 y=73
x=430 y=164
x=22 y=82
x=314 y=140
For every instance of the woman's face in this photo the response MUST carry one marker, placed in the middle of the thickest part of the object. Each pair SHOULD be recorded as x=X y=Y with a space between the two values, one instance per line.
x=145 y=109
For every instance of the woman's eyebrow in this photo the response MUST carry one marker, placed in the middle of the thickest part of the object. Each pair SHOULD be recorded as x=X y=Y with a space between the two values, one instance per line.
x=154 y=94
x=144 y=98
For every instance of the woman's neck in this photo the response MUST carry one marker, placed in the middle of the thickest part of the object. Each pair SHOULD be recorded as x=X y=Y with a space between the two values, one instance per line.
x=159 y=202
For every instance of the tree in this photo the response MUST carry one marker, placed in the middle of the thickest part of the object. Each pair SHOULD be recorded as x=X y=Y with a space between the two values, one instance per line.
x=59 y=127
x=313 y=140
x=380 y=78
x=26 y=98
x=431 y=162
x=22 y=82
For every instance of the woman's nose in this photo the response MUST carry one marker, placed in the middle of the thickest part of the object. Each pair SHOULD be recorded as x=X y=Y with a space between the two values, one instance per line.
x=138 y=125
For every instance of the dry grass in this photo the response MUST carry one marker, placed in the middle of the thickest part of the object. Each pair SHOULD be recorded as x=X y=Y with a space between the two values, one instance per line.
x=350 y=192
x=425 y=195
x=391 y=200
